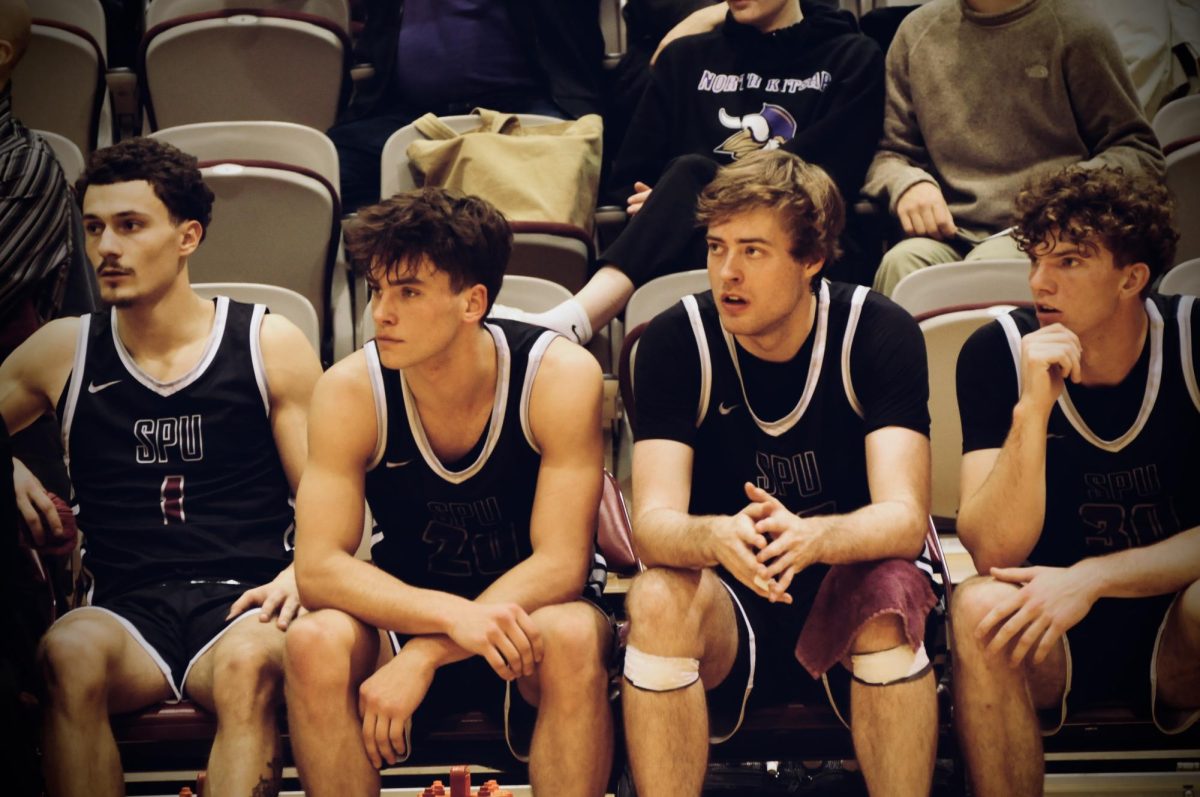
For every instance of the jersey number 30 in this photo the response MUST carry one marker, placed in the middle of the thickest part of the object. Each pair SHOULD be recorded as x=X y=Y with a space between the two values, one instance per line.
x=171 y=500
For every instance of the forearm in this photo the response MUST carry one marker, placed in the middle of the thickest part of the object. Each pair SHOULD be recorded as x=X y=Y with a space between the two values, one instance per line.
x=883 y=530
x=1165 y=567
x=1001 y=521
x=666 y=537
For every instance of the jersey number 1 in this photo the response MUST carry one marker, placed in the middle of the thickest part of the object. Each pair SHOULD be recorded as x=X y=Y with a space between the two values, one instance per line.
x=171 y=500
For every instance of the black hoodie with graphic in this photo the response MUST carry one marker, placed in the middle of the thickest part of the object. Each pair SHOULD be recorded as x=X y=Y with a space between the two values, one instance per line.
x=815 y=88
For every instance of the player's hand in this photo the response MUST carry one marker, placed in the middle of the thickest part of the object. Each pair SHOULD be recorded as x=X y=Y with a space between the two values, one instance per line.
x=923 y=212
x=795 y=542
x=35 y=506
x=1049 y=356
x=734 y=545
x=1050 y=601
x=279 y=598
x=386 y=702
x=504 y=634
x=635 y=201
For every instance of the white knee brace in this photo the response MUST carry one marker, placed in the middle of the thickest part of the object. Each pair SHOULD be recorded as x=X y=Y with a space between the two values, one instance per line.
x=659 y=673
x=891 y=666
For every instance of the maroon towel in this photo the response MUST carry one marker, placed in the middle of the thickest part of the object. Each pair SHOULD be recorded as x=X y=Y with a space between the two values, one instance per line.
x=849 y=596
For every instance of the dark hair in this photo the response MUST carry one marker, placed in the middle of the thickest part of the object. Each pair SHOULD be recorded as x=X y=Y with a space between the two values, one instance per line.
x=1129 y=214
x=464 y=236
x=808 y=203
x=174 y=175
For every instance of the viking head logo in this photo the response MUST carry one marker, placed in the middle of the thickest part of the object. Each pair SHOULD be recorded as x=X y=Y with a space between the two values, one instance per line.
x=768 y=129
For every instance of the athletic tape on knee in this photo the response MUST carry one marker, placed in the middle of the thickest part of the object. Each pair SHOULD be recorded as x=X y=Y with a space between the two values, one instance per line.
x=659 y=673
x=894 y=665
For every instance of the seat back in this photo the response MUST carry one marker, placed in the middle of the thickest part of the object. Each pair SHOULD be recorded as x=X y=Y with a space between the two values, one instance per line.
x=660 y=293
x=69 y=158
x=945 y=335
x=285 y=302
x=1182 y=278
x=59 y=84
x=965 y=282
x=160 y=11
x=244 y=64
x=274 y=222
x=1183 y=178
x=1178 y=120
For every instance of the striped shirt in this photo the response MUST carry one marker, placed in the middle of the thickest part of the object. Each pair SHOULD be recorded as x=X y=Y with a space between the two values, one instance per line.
x=35 y=219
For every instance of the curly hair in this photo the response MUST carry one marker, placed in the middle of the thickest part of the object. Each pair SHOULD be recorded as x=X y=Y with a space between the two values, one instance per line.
x=808 y=204
x=465 y=236
x=174 y=175
x=1129 y=214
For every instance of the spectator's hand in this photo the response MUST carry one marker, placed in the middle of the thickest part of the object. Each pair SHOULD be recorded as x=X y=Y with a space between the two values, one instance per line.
x=923 y=213
x=794 y=543
x=36 y=508
x=734 y=545
x=1050 y=602
x=635 y=201
x=1048 y=356
x=279 y=596
x=504 y=634
x=699 y=21
x=386 y=702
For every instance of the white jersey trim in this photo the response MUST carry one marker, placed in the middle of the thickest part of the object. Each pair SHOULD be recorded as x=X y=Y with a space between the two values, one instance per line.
x=375 y=372
x=693 y=311
x=495 y=427
x=1153 y=381
x=781 y=426
x=253 y=611
x=73 y=386
x=256 y=355
x=536 y=352
x=1185 y=348
x=1014 y=346
x=856 y=306
x=175 y=385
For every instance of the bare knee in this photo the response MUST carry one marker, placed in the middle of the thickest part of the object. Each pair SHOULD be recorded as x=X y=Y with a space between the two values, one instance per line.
x=972 y=601
x=883 y=632
x=667 y=602
x=317 y=651
x=73 y=666
x=247 y=673
x=575 y=641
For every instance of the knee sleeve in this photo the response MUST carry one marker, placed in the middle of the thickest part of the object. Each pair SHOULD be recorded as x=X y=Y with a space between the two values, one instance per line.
x=891 y=666
x=659 y=673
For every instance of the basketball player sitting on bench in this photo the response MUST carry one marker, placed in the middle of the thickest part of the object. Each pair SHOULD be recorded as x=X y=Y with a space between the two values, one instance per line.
x=781 y=429
x=478 y=448
x=1081 y=427
x=183 y=422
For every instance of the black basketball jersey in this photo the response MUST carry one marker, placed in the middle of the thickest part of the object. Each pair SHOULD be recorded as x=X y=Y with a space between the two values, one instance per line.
x=1106 y=495
x=179 y=479
x=457 y=526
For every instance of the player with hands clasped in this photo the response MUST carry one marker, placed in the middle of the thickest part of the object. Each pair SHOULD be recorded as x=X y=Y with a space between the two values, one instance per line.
x=1081 y=423
x=183 y=421
x=780 y=482
x=478 y=448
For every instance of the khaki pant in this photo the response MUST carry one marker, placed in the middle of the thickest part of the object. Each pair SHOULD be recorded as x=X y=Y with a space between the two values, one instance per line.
x=913 y=254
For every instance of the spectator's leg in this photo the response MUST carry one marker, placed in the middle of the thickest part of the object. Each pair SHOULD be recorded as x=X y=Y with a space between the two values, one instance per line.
x=996 y=702
x=1177 y=668
x=240 y=680
x=894 y=726
x=359 y=147
x=571 y=752
x=329 y=654
x=91 y=667
x=1004 y=248
x=911 y=254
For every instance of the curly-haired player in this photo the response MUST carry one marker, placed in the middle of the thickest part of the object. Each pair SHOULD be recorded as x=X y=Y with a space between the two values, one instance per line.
x=1081 y=423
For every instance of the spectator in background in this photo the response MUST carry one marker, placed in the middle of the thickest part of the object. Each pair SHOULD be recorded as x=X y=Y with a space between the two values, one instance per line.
x=981 y=95
x=449 y=57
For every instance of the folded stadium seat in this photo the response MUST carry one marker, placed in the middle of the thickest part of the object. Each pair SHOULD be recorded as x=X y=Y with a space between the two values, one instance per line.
x=167 y=742
x=1182 y=278
x=285 y=302
x=1178 y=123
x=59 y=84
x=69 y=158
x=1183 y=178
x=561 y=253
x=277 y=216
x=969 y=282
x=216 y=60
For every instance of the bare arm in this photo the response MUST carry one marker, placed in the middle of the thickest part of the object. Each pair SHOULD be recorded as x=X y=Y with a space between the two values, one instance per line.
x=1009 y=483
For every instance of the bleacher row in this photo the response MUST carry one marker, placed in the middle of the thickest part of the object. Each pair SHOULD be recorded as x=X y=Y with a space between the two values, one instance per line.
x=275 y=73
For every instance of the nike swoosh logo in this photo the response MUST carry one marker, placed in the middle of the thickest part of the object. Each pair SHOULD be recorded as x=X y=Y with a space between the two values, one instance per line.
x=721 y=408
x=1053 y=436
x=94 y=388
x=400 y=464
